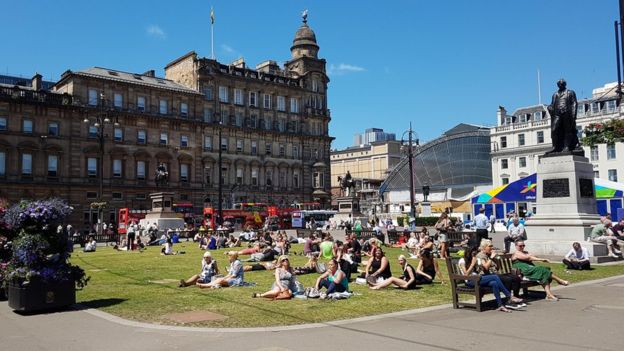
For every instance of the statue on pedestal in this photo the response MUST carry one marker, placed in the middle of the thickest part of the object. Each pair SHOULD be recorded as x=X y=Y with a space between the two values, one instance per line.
x=562 y=111
x=162 y=175
x=347 y=185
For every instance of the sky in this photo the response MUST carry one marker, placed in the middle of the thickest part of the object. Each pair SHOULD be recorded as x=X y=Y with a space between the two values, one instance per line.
x=432 y=63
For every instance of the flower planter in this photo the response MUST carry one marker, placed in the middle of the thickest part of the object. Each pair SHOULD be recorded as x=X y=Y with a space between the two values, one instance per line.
x=39 y=296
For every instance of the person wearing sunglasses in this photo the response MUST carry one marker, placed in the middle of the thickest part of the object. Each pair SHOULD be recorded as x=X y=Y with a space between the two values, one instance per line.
x=523 y=261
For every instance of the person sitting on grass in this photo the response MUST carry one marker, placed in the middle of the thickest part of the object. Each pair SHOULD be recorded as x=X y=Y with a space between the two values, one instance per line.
x=412 y=245
x=232 y=242
x=311 y=245
x=90 y=245
x=327 y=247
x=209 y=269
x=577 y=258
x=334 y=280
x=523 y=261
x=285 y=280
x=235 y=276
x=427 y=269
x=484 y=264
x=260 y=266
x=168 y=248
x=406 y=281
x=378 y=267
x=310 y=267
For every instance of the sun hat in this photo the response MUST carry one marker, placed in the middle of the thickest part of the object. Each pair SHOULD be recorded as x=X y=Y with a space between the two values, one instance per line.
x=207 y=254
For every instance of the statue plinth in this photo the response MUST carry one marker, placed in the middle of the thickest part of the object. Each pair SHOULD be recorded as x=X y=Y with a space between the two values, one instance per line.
x=162 y=212
x=566 y=206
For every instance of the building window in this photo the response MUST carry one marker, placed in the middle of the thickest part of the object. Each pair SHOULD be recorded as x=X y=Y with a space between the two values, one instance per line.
x=504 y=163
x=53 y=128
x=117 y=196
x=141 y=137
x=2 y=164
x=3 y=123
x=93 y=132
x=93 y=97
x=522 y=162
x=184 y=141
x=315 y=85
x=268 y=123
x=117 y=100
x=208 y=175
x=239 y=119
x=613 y=175
x=282 y=179
x=579 y=132
x=163 y=107
x=164 y=138
x=595 y=107
x=503 y=142
x=282 y=150
x=269 y=178
x=184 y=109
x=294 y=105
x=27 y=126
x=296 y=179
x=118 y=134
x=208 y=115
x=239 y=176
x=224 y=144
x=254 y=177
x=522 y=118
x=267 y=101
x=239 y=145
x=611 y=152
x=140 y=170
x=593 y=153
x=254 y=148
x=52 y=165
x=207 y=143
x=224 y=175
x=224 y=116
x=223 y=94
x=27 y=164
x=253 y=121
x=281 y=103
x=117 y=168
x=596 y=174
x=520 y=139
x=537 y=116
x=580 y=110
x=238 y=96
x=252 y=99
x=540 y=137
x=318 y=179
x=141 y=103
x=91 y=195
x=611 y=106
x=295 y=151
x=184 y=172
x=92 y=167
x=208 y=95
x=268 y=147
x=505 y=180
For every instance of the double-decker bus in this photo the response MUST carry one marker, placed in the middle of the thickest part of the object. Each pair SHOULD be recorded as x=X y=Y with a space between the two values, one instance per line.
x=321 y=218
x=242 y=215
x=127 y=217
x=186 y=211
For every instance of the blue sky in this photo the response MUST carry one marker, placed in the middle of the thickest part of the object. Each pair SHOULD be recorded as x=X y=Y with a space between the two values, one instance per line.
x=434 y=63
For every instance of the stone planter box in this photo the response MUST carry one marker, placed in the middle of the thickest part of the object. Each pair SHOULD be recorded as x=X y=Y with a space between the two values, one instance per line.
x=38 y=296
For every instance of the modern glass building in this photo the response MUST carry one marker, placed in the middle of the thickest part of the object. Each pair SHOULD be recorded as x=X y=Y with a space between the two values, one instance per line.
x=452 y=165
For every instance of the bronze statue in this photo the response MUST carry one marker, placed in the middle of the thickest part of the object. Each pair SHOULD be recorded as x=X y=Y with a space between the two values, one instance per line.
x=563 y=121
x=347 y=185
x=162 y=175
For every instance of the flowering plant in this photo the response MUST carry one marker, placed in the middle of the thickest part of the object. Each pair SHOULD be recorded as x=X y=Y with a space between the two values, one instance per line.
x=609 y=132
x=40 y=251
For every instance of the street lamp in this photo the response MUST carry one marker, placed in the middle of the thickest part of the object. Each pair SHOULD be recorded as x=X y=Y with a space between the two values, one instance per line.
x=101 y=119
x=411 y=137
x=220 y=201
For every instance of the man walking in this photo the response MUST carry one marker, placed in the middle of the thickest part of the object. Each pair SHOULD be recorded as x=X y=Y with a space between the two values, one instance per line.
x=492 y=223
x=481 y=224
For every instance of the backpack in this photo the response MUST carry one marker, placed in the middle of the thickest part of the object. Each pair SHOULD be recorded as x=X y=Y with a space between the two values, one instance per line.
x=312 y=293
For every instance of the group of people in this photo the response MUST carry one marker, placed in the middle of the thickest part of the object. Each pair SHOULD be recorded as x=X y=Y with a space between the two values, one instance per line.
x=611 y=235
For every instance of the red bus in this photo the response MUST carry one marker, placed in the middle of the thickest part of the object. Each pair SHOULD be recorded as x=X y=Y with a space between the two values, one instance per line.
x=243 y=214
x=127 y=217
x=186 y=211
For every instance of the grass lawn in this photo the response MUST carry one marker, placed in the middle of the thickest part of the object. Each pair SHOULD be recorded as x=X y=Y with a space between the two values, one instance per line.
x=143 y=287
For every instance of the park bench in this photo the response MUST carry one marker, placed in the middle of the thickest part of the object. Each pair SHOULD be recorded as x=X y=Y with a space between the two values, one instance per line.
x=459 y=286
x=393 y=236
x=304 y=233
x=363 y=234
x=100 y=238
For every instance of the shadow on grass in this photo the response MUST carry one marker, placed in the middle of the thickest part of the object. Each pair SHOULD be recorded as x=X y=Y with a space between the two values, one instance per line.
x=98 y=303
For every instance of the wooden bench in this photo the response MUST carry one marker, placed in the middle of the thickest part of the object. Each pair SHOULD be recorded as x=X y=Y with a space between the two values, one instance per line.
x=363 y=234
x=459 y=286
x=393 y=236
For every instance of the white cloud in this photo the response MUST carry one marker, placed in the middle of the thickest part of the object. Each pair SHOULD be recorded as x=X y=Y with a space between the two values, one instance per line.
x=344 y=68
x=156 y=32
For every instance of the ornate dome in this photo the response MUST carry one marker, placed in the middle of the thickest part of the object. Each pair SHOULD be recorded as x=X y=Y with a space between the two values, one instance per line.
x=304 y=36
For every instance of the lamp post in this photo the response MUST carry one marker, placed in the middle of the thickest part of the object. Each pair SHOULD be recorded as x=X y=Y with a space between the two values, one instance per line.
x=101 y=118
x=411 y=137
x=220 y=200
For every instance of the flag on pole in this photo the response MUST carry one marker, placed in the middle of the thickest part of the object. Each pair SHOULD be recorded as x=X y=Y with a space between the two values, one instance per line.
x=212 y=17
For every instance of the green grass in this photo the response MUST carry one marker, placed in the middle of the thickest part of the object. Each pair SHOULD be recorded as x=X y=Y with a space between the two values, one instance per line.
x=122 y=283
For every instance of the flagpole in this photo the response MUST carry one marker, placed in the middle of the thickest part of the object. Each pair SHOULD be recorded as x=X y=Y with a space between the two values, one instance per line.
x=539 y=87
x=212 y=33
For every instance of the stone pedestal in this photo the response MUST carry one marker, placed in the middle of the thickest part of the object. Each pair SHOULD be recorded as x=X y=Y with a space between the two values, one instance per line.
x=162 y=213
x=349 y=210
x=425 y=209
x=566 y=207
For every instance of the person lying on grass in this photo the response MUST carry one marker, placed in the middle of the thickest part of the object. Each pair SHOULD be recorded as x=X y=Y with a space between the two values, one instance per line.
x=406 y=281
x=285 y=280
x=209 y=269
x=235 y=276
x=261 y=266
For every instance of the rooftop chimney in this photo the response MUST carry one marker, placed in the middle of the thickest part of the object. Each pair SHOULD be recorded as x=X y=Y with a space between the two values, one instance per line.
x=150 y=73
x=500 y=115
x=37 y=82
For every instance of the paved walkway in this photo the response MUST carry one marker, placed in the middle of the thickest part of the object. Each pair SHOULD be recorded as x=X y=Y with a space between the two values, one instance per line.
x=589 y=317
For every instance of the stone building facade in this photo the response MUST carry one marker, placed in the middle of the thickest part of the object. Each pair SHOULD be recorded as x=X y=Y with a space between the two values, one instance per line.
x=273 y=123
